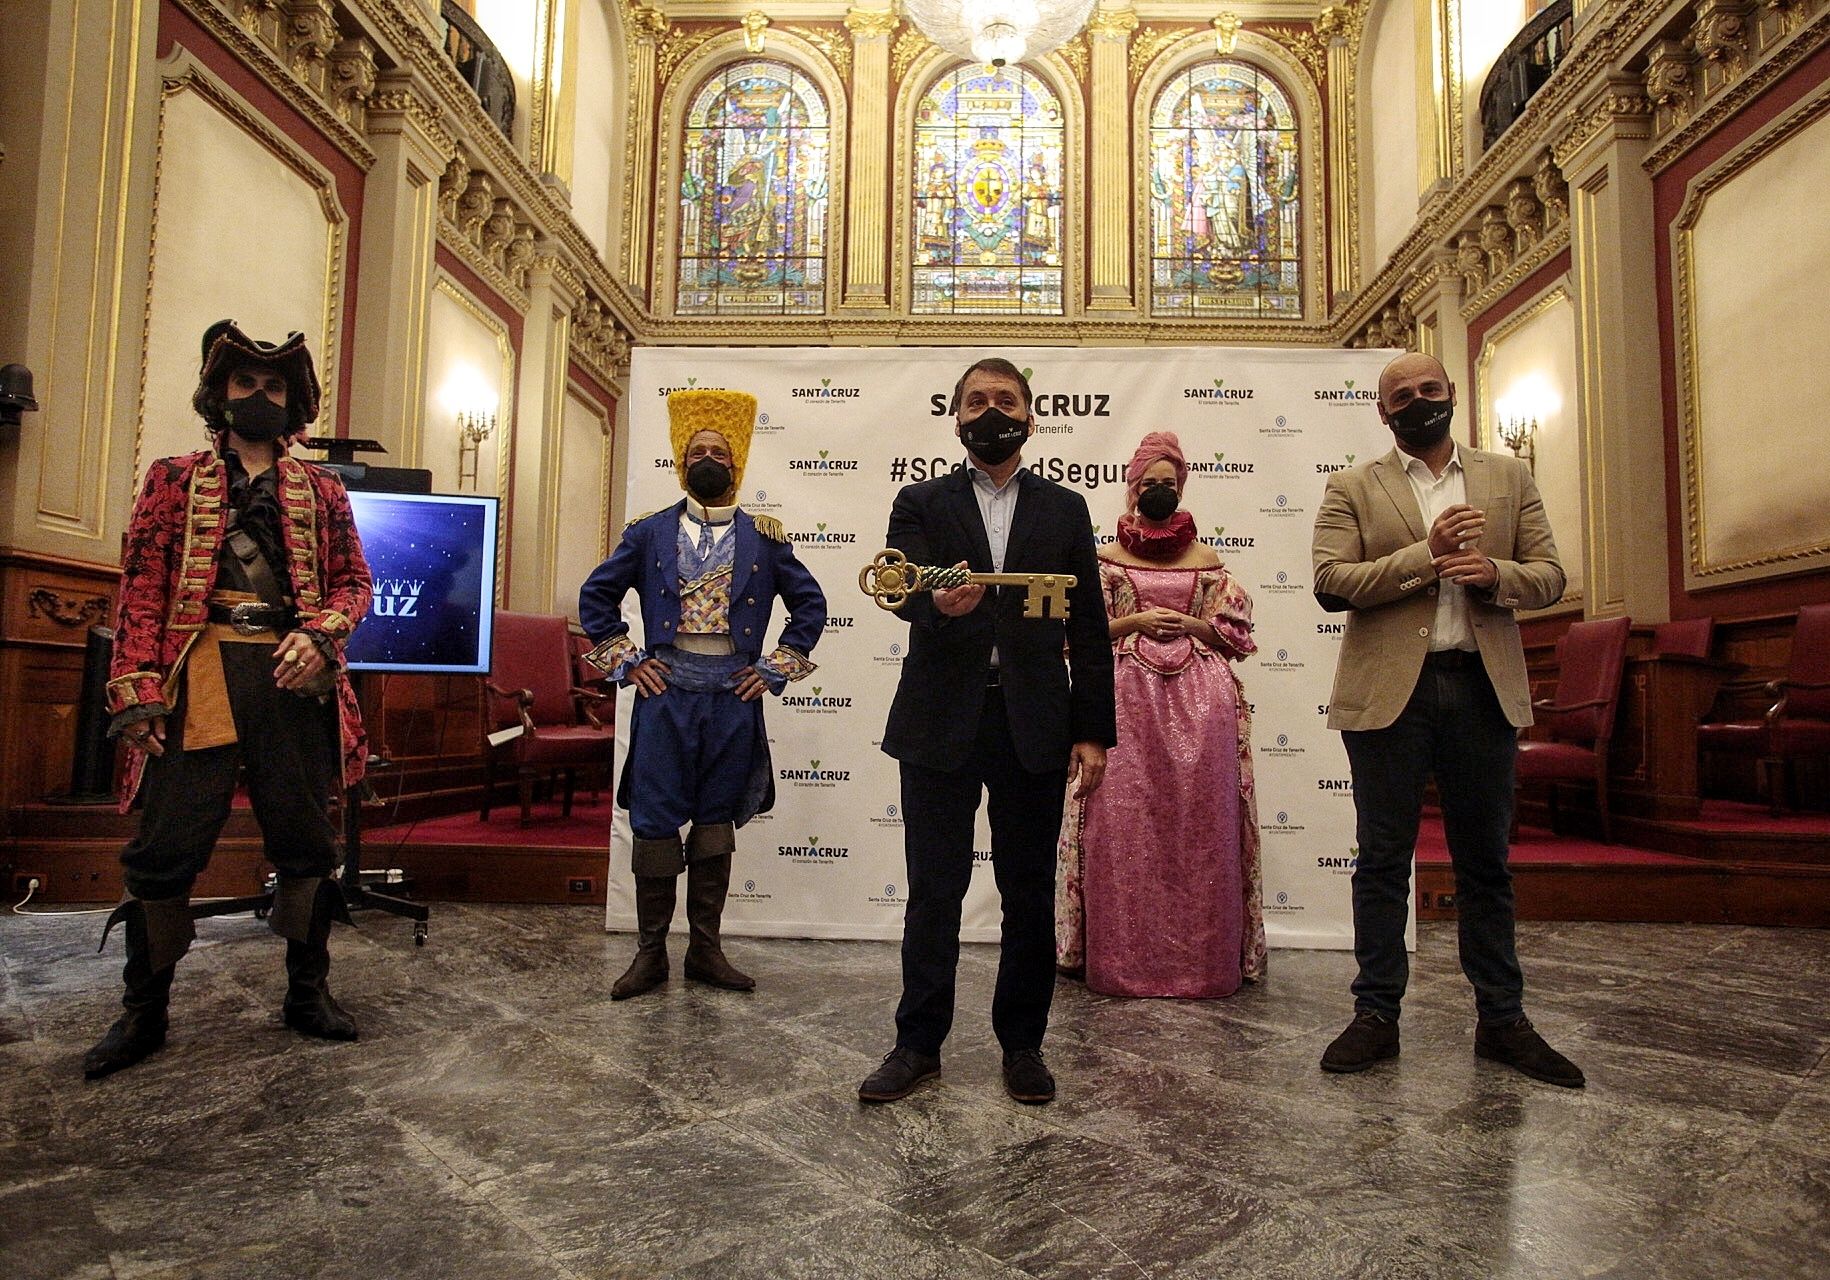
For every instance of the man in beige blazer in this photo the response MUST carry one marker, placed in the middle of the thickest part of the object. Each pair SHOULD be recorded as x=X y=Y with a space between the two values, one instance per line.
x=1429 y=550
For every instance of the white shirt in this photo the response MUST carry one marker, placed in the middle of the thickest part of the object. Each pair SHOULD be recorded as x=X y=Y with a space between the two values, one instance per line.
x=722 y=520
x=996 y=507
x=1435 y=495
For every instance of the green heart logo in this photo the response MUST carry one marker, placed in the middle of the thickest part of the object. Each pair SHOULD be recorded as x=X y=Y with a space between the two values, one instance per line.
x=822 y=453
x=816 y=764
x=692 y=382
x=1219 y=457
x=825 y=382
x=1350 y=459
x=813 y=841
x=816 y=690
x=1028 y=374
x=1219 y=531
x=1350 y=384
x=822 y=526
x=1219 y=382
x=1096 y=528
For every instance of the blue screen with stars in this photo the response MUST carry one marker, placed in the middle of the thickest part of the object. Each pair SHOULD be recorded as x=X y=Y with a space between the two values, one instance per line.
x=433 y=561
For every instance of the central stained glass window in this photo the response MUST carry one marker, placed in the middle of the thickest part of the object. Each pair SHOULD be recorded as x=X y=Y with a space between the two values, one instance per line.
x=1225 y=207
x=988 y=206
x=753 y=194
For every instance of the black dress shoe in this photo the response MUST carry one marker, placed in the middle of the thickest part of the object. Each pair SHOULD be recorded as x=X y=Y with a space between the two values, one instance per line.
x=1369 y=1038
x=901 y=1071
x=1518 y=1045
x=1027 y=1078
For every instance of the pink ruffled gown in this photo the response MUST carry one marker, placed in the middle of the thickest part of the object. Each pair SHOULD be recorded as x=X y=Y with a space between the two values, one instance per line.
x=1164 y=860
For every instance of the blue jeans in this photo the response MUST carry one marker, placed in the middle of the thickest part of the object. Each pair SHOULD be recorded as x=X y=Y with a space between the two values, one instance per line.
x=1453 y=728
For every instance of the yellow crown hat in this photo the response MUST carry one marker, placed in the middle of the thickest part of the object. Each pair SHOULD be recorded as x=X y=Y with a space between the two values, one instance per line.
x=732 y=414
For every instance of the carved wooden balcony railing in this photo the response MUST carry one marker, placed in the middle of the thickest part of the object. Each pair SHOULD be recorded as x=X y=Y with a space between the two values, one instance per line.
x=481 y=65
x=1523 y=68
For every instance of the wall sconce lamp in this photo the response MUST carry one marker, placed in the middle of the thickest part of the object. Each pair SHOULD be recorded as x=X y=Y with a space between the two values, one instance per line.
x=1226 y=33
x=754 y=23
x=1521 y=436
x=474 y=428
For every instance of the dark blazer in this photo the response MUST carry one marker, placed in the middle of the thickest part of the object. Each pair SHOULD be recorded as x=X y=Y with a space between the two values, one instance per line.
x=1053 y=701
x=647 y=561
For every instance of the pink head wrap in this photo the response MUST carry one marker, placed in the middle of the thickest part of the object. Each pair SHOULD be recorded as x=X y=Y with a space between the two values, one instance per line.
x=1154 y=448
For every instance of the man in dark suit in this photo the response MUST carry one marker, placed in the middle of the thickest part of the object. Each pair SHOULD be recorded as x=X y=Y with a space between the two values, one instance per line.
x=987 y=703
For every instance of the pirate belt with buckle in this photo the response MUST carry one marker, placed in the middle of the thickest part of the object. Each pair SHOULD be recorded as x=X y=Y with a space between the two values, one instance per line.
x=251 y=617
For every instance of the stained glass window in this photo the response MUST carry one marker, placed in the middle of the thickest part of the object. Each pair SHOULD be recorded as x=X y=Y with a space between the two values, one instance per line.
x=753 y=194
x=988 y=205
x=1224 y=199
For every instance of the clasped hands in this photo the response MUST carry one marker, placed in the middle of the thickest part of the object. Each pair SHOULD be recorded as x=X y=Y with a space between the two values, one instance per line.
x=1454 y=550
x=650 y=680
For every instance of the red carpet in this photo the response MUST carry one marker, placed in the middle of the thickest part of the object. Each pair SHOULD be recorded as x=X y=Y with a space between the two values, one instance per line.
x=587 y=828
x=1540 y=847
x=1731 y=815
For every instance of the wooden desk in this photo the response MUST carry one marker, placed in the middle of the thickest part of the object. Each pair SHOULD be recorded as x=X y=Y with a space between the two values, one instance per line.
x=1652 y=762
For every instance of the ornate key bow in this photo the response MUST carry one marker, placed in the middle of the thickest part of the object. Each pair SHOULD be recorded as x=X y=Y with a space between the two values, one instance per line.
x=890 y=580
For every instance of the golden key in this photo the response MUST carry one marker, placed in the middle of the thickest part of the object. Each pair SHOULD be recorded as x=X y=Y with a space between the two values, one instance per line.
x=890 y=580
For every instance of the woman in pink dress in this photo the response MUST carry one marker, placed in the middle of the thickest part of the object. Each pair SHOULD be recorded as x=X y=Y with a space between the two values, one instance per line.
x=1159 y=886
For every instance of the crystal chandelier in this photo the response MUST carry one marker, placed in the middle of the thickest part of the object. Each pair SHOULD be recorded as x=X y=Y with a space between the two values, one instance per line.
x=999 y=32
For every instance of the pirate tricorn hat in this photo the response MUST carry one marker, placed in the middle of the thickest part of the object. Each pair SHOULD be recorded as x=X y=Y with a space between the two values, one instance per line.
x=226 y=347
x=732 y=414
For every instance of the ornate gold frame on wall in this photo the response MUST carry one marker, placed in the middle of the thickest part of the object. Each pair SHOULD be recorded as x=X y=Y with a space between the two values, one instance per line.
x=181 y=73
x=442 y=282
x=932 y=63
x=684 y=80
x=1699 y=570
x=608 y=432
x=1305 y=95
x=1488 y=428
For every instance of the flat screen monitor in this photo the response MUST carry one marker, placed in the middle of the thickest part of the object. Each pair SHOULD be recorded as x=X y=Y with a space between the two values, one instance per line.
x=433 y=559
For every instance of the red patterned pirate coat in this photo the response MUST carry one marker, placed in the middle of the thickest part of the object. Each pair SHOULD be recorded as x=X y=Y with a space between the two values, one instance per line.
x=169 y=569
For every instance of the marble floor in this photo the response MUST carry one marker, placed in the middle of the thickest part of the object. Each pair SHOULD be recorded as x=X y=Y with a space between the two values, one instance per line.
x=502 y=1118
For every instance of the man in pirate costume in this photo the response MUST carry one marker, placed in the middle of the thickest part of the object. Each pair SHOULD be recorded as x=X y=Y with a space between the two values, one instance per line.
x=707 y=573
x=241 y=580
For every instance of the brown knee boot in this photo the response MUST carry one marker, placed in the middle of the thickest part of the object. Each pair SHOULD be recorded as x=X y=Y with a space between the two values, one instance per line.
x=707 y=881
x=654 y=912
x=158 y=932
x=302 y=913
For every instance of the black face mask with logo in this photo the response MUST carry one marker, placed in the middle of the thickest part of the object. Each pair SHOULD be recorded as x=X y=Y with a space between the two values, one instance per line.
x=255 y=418
x=708 y=479
x=1422 y=424
x=1158 y=501
x=993 y=436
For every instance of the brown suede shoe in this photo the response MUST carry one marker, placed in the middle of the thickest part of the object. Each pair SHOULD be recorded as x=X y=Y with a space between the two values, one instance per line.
x=1518 y=1045
x=1369 y=1038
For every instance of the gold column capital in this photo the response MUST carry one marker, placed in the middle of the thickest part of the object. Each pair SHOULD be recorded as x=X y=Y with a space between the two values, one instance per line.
x=871 y=24
x=1112 y=24
x=647 y=22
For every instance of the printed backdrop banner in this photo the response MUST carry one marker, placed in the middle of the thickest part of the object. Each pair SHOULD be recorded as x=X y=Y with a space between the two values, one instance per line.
x=840 y=430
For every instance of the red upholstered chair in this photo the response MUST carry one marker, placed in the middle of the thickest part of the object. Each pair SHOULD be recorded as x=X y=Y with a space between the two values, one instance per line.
x=1798 y=723
x=531 y=687
x=1581 y=715
x=1690 y=638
